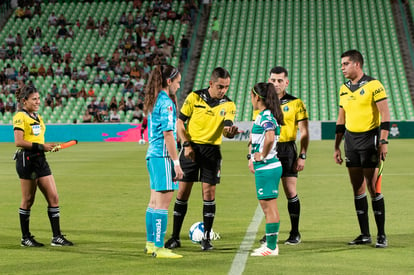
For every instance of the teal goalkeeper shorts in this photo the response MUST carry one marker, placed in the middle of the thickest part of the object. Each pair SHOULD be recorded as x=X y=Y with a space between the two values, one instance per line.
x=267 y=181
x=161 y=173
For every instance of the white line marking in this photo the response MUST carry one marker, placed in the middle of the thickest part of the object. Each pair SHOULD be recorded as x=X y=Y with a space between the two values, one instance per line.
x=239 y=261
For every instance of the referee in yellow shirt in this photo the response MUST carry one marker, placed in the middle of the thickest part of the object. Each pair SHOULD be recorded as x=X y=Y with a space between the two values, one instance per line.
x=209 y=115
x=32 y=167
x=364 y=121
x=295 y=117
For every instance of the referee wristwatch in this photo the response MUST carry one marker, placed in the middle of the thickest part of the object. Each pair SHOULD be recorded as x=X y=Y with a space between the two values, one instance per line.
x=383 y=141
x=302 y=156
x=186 y=144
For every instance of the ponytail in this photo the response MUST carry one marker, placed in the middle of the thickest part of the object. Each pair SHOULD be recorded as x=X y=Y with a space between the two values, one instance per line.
x=23 y=93
x=267 y=93
x=156 y=82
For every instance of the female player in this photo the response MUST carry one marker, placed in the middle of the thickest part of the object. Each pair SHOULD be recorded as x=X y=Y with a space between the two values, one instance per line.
x=32 y=167
x=162 y=159
x=264 y=163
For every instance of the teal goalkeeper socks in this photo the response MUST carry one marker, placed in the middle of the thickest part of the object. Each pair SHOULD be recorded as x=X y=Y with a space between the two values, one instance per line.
x=160 y=219
x=148 y=224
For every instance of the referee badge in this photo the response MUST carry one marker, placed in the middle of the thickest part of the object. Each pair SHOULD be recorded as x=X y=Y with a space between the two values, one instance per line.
x=223 y=112
x=285 y=109
x=36 y=129
x=362 y=92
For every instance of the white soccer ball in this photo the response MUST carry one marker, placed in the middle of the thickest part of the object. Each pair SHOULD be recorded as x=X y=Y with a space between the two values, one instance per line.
x=141 y=141
x=196 y=233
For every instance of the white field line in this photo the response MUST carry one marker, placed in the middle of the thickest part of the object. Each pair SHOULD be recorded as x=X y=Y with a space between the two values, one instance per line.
x=239 y=261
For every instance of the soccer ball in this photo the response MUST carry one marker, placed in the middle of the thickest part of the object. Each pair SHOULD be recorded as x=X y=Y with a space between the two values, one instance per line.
x=141 y=141
x=196 y=233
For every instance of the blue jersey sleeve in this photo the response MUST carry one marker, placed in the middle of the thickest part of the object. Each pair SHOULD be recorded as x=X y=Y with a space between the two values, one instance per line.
x=167 y=116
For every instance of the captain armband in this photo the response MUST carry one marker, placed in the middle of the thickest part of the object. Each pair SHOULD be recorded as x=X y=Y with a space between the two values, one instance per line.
x=340 y=129
x=36 y=147
x=385 y=125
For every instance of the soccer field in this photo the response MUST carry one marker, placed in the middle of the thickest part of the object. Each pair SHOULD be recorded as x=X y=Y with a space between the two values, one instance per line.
x=103 y=190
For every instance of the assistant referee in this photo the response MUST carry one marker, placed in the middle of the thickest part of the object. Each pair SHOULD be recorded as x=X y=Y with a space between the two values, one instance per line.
x=364 y=121
x=32 y=167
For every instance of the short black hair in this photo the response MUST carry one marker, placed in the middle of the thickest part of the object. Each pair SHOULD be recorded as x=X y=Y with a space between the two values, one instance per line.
x=219 y=72
x=279 y=70
x=354 y=55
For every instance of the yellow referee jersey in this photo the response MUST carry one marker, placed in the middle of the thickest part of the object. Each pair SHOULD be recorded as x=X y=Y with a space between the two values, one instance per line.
x=359 y=104
x=32 y=127
x=294 y=110
x=207 y=116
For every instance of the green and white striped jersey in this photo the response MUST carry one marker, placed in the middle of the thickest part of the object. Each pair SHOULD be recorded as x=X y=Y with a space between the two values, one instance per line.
x=264 y=122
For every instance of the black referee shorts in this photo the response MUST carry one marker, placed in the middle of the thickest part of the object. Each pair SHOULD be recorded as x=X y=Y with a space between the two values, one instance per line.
x=361 y=149
x=287 y=154
x=207 y=164
x=30 y=165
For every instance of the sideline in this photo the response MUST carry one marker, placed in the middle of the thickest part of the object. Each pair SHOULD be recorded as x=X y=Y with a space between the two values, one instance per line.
x=239 y=261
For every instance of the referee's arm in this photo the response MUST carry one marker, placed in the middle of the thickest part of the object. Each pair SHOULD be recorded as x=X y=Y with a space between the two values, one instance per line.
x=185 y=140
x=181 y=131
x=339 y=134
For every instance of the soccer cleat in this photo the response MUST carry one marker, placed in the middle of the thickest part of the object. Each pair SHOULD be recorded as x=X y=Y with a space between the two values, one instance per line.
x=206 y=244
x=294 y=239
x=361 y=239
x=30 y=242
x=173 y=243
x=263 y=240
x=265 y=251
x=60 y=241
x=165 y=253
x=381 y=241
x=149 y=248
x=261 y=247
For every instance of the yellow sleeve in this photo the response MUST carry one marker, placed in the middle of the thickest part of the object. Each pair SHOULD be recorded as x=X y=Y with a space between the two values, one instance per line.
x=18 y=121
x=379 y=91
x=188 y=105
x=301 y=113
x=231 y=112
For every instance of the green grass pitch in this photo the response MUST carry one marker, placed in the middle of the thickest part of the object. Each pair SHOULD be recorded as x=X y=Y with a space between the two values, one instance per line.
x=103 y=189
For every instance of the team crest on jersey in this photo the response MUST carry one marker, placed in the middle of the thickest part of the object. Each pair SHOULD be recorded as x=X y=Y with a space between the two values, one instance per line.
x=286 y=109
x=170 y=109
x=222 y=112
x=362 y=92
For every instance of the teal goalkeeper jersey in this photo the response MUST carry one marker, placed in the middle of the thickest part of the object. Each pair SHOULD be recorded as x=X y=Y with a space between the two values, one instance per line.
x=264 y=122
x=162 y=118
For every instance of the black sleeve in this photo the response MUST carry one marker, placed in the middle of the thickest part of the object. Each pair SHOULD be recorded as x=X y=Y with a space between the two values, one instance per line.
x=228 y=123
x=183 y=117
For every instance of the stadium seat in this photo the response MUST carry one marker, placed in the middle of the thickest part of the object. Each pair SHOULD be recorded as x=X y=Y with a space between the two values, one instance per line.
x=306 y=37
